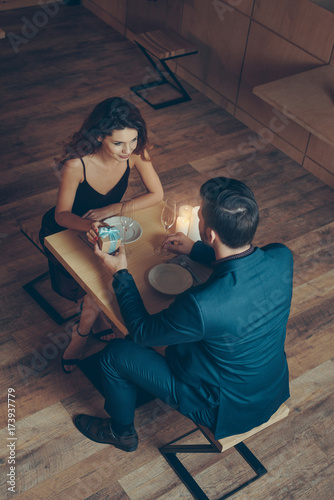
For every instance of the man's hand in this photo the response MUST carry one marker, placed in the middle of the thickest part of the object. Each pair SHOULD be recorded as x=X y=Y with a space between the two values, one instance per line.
x=178 y=243
x=112 y=263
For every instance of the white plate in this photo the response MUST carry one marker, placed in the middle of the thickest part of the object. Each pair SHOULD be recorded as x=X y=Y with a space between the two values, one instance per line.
x=170 y=278
x=133 y=233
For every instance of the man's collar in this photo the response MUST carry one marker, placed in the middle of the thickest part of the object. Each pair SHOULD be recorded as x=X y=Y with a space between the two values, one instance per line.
x=234 y=257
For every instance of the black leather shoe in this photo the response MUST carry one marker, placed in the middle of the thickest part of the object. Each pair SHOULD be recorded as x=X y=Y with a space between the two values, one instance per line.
x=100 y=431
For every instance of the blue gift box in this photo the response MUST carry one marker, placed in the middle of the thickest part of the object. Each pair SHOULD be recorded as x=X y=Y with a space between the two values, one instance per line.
x=109 y=239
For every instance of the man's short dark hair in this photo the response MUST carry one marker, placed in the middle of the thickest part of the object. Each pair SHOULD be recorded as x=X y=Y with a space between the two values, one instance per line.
x=230 y=209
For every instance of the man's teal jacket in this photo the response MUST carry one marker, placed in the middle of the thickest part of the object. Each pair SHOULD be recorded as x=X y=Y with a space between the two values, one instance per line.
x=225 y=336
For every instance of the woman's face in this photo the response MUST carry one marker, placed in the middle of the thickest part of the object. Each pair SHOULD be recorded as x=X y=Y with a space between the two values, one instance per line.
x=120 y=144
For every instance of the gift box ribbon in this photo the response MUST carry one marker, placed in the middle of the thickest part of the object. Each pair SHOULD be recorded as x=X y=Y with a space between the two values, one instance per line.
x=112 y=233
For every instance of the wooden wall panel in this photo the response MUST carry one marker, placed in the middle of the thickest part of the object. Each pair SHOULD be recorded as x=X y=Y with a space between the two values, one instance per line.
x=268 y=137
x=206 y=90
x=301 y=22
x=319 y=171
x=142 y=15
x=113 y=12
x=269 y=57
x=17 y=4
x=321 y=152
x=221 y=45
x=117 y=8
x=224 y=7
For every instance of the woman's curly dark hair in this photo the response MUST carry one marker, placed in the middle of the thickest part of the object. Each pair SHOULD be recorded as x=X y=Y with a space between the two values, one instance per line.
x=114 y=113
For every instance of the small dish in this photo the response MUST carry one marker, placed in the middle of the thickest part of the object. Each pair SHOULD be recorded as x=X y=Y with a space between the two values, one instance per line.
x=170 y=279
x=132 y=234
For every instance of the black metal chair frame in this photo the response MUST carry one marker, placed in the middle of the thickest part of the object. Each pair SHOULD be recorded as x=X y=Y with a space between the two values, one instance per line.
x=137 y=89
x=170 y=450
x=37 y=297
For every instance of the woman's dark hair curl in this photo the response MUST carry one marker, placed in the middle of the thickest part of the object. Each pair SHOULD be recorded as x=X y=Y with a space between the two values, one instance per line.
x=114 y=113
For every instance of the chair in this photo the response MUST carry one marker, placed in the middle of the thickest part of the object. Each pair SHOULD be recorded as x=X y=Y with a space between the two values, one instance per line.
x=30 y=230
x=160 y=46
x=170 y=450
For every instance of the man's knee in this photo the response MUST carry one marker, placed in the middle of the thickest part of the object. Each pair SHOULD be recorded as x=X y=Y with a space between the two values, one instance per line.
x=112 y=350
x=115 y=352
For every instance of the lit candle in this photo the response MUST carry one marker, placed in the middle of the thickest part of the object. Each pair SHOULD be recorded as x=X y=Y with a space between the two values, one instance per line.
x=193 y=227
x=185 y=211
x=182 y=225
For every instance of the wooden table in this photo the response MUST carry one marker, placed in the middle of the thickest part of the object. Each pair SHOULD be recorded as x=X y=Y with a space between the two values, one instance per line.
x=81 y=262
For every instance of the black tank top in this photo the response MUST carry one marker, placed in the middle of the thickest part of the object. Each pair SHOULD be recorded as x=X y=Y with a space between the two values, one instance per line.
x=86 y=198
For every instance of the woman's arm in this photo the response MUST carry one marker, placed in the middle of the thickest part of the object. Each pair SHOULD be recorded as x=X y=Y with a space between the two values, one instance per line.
x=150 y=180
x=72 y=175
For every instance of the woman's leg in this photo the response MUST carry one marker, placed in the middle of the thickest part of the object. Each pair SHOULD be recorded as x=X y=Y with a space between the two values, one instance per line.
x=100 y=325
x=74 y=350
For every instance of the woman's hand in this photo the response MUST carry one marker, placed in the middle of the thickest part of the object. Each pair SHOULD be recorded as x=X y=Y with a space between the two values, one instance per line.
x=112 y=263
x=102 y=213
x=93 y=232
x=178 y=243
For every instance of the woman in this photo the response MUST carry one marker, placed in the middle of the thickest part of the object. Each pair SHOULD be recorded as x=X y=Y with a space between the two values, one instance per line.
x=95 y=170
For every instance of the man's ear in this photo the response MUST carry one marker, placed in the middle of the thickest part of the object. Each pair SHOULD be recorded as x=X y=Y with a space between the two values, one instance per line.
x=211 y=235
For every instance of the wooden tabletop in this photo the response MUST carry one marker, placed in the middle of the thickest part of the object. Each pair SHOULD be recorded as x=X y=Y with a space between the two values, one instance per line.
x=307 y=98
x=81 y=262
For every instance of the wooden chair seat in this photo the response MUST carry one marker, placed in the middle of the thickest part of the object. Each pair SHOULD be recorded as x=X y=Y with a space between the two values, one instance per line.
x=170 y=451
x=30 y=229
x=158 y=47
x=165 y=44
x=230 y=441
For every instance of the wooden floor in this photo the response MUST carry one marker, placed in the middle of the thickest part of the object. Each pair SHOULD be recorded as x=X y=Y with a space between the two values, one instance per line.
x=47 y=86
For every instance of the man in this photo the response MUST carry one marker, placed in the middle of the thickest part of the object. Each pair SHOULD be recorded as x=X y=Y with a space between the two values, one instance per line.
x=225 y=366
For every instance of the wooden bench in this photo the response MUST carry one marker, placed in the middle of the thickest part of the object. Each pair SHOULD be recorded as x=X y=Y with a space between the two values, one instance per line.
x=30 y=229
x=160 y=46
x=170 y=450
x=306 y=98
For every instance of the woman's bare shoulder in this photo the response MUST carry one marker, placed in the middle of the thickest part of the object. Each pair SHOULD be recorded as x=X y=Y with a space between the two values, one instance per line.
x=73 y=168
x=136 y=160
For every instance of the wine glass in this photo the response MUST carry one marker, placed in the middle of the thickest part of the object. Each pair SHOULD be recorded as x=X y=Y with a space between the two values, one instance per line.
x=168 y=217
x=127 y=219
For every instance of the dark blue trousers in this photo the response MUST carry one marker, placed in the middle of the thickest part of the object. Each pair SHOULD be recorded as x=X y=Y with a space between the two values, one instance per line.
x=127 y=366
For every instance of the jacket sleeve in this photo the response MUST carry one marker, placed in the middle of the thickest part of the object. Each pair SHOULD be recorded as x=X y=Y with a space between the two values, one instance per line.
x=181 y=322
x=202 y=253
